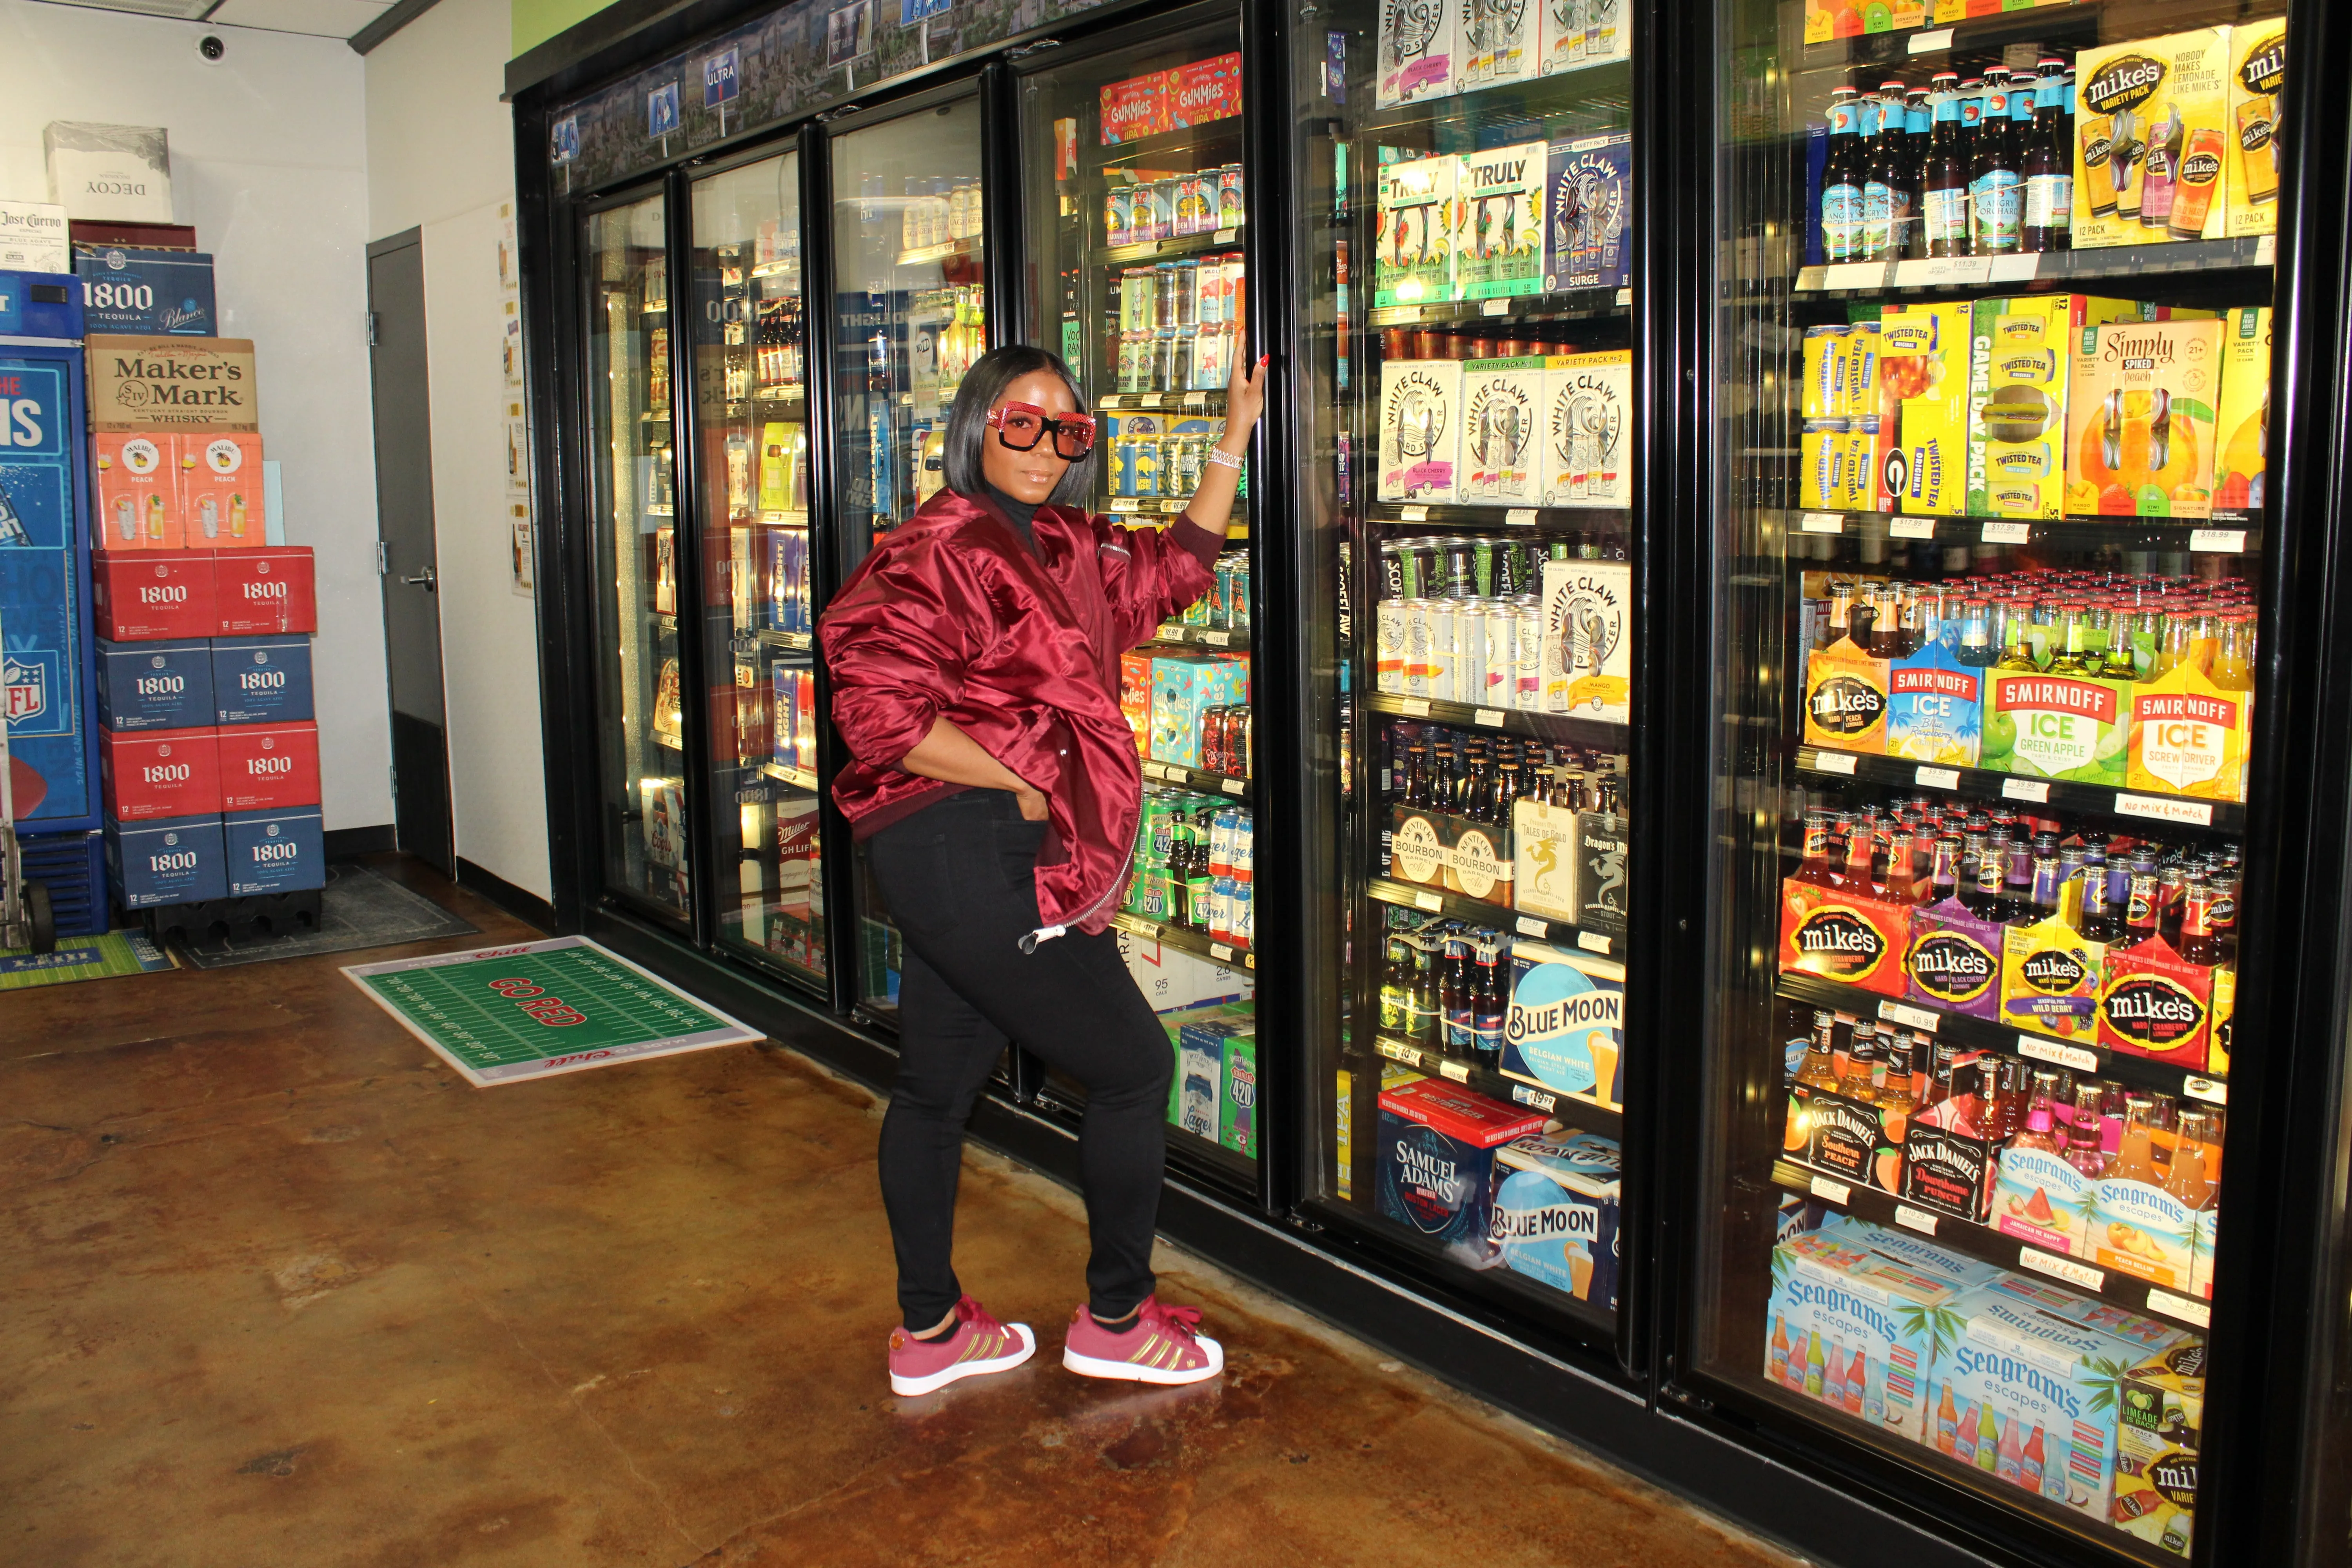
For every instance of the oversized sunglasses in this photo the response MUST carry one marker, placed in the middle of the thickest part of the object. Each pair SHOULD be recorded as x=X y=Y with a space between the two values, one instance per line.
x=1021 y=426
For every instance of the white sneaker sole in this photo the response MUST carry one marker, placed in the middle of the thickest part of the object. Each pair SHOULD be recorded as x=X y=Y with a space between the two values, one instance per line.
x=1132 y=1372
x=945 y=1375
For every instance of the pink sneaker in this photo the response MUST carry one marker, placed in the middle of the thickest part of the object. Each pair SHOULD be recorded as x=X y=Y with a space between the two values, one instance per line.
x=1161 y=1347
x=980 y=1345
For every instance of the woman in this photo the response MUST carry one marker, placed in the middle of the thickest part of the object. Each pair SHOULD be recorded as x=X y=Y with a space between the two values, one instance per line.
x=993 y=781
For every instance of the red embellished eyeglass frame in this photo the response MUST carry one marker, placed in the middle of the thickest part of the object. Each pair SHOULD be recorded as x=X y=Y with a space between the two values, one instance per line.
x=1074 y=434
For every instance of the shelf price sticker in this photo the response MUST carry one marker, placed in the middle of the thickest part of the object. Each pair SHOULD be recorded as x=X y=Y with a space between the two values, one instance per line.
x=2212 y=1090
x=1824 y=523
x=1428 y=901
x=1495 y=308
x=1912 y=527
x=2034 y=790
x=2073 y=1058
x=2066 y=1268
x=1519 y=517
x=1224 y=237
x=1855 y=274
x=1936 y=778
x=2186 y=1309
x=1217 y=639
x=1195 y=401
x=1492 y=718
x=2266 y=250
x=2007 y=533
x=1233 y=786
x=1534 y=1098
x=1396 y=1052
x=2164 y=808
x=1834 y=762
x=2217 y=540
x=1592 y=941
x=1944 y=272
x=1222 y=952
x=2012 y=269
x=1414 y=513
x=1624 y=296
x=1910 y=1017
x=1831 y=1192
x=1531 y=926
x=1458 y=1072
x=1928 y=42
x=1910 y=1218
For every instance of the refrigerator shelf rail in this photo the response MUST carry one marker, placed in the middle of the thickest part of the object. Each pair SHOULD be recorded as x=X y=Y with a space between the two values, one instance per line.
x=2252 y=253
x=1475 y=911
x=1557 y=727
x=2136 y=806
x=1574 y=1111
x=1198 y=943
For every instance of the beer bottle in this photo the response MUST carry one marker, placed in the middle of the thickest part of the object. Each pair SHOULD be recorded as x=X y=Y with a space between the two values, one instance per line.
x=2017 y=644
x=2134 y=1157
x=2039 y=1131
x=2099 y=920
x=1860 y=875
x=2083 y=1147
x=1815 y=866
x=1426 y=1018
x=1454 y=993
x=2008 y=1113
x=2017 y=882
x=2172 y=889
x=1489 y=999
x=1396 y=990
x=2200 y=942
x=1902 y=883
x=1886 y=195
x=2046 y=881
x=2144 y=914
x=1862 y=1061
x=2186 y=1176
x=2049 y=166
x=1418 y=795
x=1994 y=188
x=1842 y=180
x=2233 y=653
x=2073 y=657
x=1943 y=869
x=1943 y=176
x=1819 y=1071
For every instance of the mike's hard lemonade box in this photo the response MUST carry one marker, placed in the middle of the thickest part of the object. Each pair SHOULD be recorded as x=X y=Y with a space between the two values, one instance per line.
x=1500 y=193
x=1415 y=58
x=1856 y=1328
x=1846 y=699
x=1587 y=400
x=2057 y=726
x=1421 y=430
x=2188 y=736
x=2153 y=1004
x=1412 y=252
x=2160 y=1417
x=1838 y=935
x=2049 y=978
x=2257 y=72
x=2151 y=139
x=2242 y=460
x=1437 y=1159
x=1502 y=444
x=1566 y=1028
x=1935 y=708
x=1952 y=961
x=1554 y=1210
x=1923 y=416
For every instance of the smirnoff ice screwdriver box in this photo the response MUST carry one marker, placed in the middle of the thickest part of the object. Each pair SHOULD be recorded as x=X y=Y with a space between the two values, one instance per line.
x=1855 y=1328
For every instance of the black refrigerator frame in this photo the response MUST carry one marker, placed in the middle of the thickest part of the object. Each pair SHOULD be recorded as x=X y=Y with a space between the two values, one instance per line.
x=1632 y=1400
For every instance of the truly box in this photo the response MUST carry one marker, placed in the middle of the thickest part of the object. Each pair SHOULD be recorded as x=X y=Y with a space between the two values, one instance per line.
x=2257 y=72
x=2143 y=404
x=265 y=589
x=278 y=851
x=260 y=680
x=154 y=685
x=1413 y=59
x=1421 y=430
x=1845 y=699
x=162 y=382
x=133 y=289
x=2151 y=138
x=1565 y=1030
x=1587 y=406
x=1502 y=446
x=2057 y=726
x=1854 y=1329
x=1923 y=381
x=1588 y=209
x=268 y=766
x=139 y=503
x=2021 y=371
x=1839 y=935
x=1935 y=708
x=2050 y=980
x=1499 y=44
x=2153 y=1004
x=2241 y=426
x=153 y=774
x=2161 y=1416
x=1553 y=1213
x=1413 y=256
x=1437 y=1159
x=1952 y=961
x=1587 y=640
x=1184 y=686
x=221 y=495
x=151 y=597
x=2189 y=736
x=1500 y=195
x=174 y=861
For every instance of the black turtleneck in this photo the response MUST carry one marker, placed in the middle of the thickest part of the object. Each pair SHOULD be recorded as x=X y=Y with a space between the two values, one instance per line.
x=1016 y=513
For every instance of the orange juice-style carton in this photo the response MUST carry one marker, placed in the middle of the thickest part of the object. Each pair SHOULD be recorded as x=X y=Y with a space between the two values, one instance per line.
x=1923 y=385
x=1829 y=19
x=2135 y=1227
x=2242 y=458
x=2153 y=1002
x=2257 y=71
x=2021 y=371
x=2151 y=139
x=1840 y=935
x=139 y=498
x=1846 y=699
x=221 y=490
x=1565 y=1030
x=2160 y=1414
x=1961 y=10
x=2143 y=407
x=2188 y=736
x=2050 y=980
x=1855 y=1328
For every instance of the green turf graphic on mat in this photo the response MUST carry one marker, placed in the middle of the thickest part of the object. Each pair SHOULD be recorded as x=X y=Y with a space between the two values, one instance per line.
x=501 y=1015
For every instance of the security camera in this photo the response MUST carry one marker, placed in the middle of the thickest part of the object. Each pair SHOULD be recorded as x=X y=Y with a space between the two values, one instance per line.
x=210 y=46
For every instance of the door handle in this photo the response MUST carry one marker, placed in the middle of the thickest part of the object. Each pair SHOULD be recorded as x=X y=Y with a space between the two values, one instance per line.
x=424 y=577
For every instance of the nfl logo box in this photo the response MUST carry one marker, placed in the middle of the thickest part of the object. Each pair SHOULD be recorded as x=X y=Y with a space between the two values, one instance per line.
x=129 y=289
x=274 y=851
x=176 y=861
x=154 y=685
x=154 y=774
x=162 y=596
x=266 y=767
x=1437 y=1160
x=261 y=680
x=272 y=589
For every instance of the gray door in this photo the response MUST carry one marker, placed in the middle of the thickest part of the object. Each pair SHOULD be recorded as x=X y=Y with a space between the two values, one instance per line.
x=404 y=510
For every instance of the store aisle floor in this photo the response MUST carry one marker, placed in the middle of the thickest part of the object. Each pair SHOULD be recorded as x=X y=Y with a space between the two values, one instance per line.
x=283 y=1290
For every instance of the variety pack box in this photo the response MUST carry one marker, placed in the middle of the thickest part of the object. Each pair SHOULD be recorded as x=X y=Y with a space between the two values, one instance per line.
x=1575 y=36
x=1587 y=399
x=179 y=861
x=276 y=851
x=2050 y=980
x=2151 y=120
x=2160 y=1417
x=139 y=501
x=1855 y=940
x=1184 y=686
x=2144 y=403
x=2057 y=726
x=1413 y=261
x=145 y=599
x=221 y=495
x=1421 y=430
x=1553 y=1213
x=2257 y=72
x=1948 y=1154
x=1437 y=1159
x=1500 y=193
x=1499 y=44
x=1135 y=108
x=268 y=767
x=2189 y=736
x=2021 y=371
x=1201 y=92
x=119 y=173
x=154 y=685
x=33 y=239
x=1588 y=643
x=2242 y=431
x=154 y=774
x=1854 y=1328
x=1829 y=19
x=1952 y=961
x=1923 y=380
x=1414 y=57
x=1502 y=457
x=132 y=290
x=2153 y=1004
x=1199 y=1081
x=1135 y=697
x=260 y=680
x=272 y=589
x=1589 y=209
x=1565 y=1030
x=163 y=382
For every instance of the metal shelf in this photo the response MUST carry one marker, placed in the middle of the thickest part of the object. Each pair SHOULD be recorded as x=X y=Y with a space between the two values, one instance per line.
x=1185 y=937
x=1176 y=146
x=940 y=252
x=1556 y=727
x=2225 y=533
x=1988 y=273
x=800 y=778
x=1608 y=84
x=1478 y=911
x=1236 y=639
x=1162 y=249
x=1198 y=779
x=1417 y=514
x=1197 y=402
x=1574 y=1109
x=1984 y=783
x=1572 y=305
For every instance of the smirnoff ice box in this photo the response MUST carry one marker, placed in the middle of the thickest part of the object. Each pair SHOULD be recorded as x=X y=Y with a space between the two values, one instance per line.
x=1587 y=207
x=1855 y=1329
x=1415 y=58
x=1587 y=398
x=1554 y=1212
x=1421 y=430
x=1935 y=708
x=1437 y=1159
x=1565 y=1030
x=1500 y=193
x=1502 y=403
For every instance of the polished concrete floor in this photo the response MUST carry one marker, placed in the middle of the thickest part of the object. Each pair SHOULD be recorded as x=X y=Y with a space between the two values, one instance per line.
x=281 y=1289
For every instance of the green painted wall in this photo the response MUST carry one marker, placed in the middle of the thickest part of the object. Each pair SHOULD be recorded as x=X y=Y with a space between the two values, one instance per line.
x=536 y=21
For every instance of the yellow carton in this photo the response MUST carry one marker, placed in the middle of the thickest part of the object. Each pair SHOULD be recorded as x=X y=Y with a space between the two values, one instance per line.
x=1923 y=383
x=2158 y=1420
x=2021 y=371
x=1961 y=10
x=2188 y=736
x=2243 y=427
x=2151 y=131
x=1845 y=700
x=2142 y=409
x=1828 y=19
x=2257 y=71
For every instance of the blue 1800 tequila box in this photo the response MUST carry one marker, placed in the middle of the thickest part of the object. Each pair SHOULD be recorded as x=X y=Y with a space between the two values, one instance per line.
x=176 y=860
x=1592 y=190
x=155 y=685
x=127 y=290
x=276 y=851
x=261 y=680
x=1553 y=1213
x=1437 y=1160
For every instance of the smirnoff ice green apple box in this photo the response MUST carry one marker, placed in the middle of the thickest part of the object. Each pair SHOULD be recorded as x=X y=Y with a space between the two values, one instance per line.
x=2057 y=726
x=1857 y=1327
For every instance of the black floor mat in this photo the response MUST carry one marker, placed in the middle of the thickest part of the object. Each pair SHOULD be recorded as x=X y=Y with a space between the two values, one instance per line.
x=359 y=908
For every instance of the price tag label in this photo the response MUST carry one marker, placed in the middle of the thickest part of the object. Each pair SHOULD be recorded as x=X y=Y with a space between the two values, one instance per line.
x=1855 y=275
x=2034 y=790
x=1495 y=308
x=1224 y=237
x=1249 y=960
x=1414 y=513
x=2206 y=1088
x=1415 y=707
x=1592 y=941
x=2218 y=541
x=1834 y=1192
x=1912 y=527
x=2007 y=533
x=1810 y=279
x=1834 y=762
x=2184 y=1307
x=1531 y=926
x=1534 y=1098
x=1397 y=1053
x=2164 y=808
x=1910 y=1017
x=1458 y=1072
x=1148 y=400
x=2012 y=269
x=1492 y=718
x=1220 y=949
x=2074 y=1059
x=2058 y=1267
x=1824 y=523
x=2266 y=250
x=1944 y=272
x=1195 y=400
x=1936 y=778
x=1125 y=504
x=1233 y=786
x=1155 y=770
x=1110 y=402
x=1520 y=517
x=1927 y=43
x=1173 y=506
x=1910 y=1218
x=1216 y=640
x=1624 y=296
x=1428 y=901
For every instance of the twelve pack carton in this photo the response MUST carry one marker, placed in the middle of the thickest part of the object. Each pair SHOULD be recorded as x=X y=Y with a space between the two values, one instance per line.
x=2151 y=137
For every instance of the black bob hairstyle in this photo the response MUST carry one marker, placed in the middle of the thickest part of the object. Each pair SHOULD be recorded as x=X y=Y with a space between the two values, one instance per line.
x=983 y=384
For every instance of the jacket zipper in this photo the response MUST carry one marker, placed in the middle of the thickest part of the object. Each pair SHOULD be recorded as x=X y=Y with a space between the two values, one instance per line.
x=1047 y=933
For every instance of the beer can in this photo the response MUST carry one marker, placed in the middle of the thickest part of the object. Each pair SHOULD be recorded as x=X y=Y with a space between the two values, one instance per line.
x=1527 y=655
x=1390 y=584
x=1187 y=304
x=1117 y=217
x=1472 y=625
x=1244 y=860
x=1861 y=370
x=1460 y=568
x=1861 y=463
x=1158 y=826
x=1191 y=454
x=1242 y=922
x=1389 y=644
x=1221 y=595
x=1414 y=670
x=1241 y=593
x=1823 y=449
x=1443 y=624
x=1121 y=478
x=1220 y=923
x=1482 y=568
x=1824 y=345
x=1163 y=207
x=1151 y=893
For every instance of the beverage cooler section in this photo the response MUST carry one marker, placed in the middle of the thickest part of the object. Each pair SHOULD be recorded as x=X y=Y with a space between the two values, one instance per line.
x=910 y=315
x=750 y=432
x=641 y=734
x=1470 y=446
x=1993 y=377
x=1137 y=206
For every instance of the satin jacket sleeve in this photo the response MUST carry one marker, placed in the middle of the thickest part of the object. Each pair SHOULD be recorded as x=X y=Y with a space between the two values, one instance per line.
x=1149 y=574
x=897 y=644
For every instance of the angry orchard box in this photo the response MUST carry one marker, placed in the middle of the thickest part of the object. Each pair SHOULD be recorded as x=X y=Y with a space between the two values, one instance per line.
x=2152 y=1003
x=1952 y=961
x=1840 y=936
x=2056 y=726
x=2050 y=980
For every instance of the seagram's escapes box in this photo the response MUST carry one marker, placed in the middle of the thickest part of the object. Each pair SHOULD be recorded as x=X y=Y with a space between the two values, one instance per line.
x=1856 y=1328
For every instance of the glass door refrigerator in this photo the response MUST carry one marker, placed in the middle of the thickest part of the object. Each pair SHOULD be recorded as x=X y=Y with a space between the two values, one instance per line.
x=1991 y=554
x=749 y=361
x=910 y=315
x=641 y=709
x=1136 y=207
x=1464 y=407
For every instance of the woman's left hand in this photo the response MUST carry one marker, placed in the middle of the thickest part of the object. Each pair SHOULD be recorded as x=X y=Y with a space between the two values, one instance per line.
x=1244 y=397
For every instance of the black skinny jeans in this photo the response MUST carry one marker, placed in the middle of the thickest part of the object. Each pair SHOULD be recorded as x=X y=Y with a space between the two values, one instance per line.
x=959 y=880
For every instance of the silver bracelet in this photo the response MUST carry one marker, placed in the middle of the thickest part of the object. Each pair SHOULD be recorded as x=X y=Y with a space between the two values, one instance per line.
x=1223 y=458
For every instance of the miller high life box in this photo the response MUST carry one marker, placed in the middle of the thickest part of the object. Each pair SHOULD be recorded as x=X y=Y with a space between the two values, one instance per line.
x=2143 y=409
x=1413 y=250
x=1501 y=196
x=1845 y=700
x=1566 y=1028
x=2257 y=71
x=1418 y=40
x=1421 y=430
x=2057 y=726
x=2050 y=980
x=1499 y=44
x=1923 y=420
x=2152 y=1003
x=1589 y=210
x=1588 y=647
x=2189 y=736
x=1502 y=444
x=1852 y=939
x=1952 y=961
x=1587 y=398
x=2151 y=139
x=1935 y=708
x=2242 y=460
x=2021 y=371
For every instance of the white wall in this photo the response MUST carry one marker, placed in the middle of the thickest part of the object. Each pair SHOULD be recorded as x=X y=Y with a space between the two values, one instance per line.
x=440 y=157
x=270 y=162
